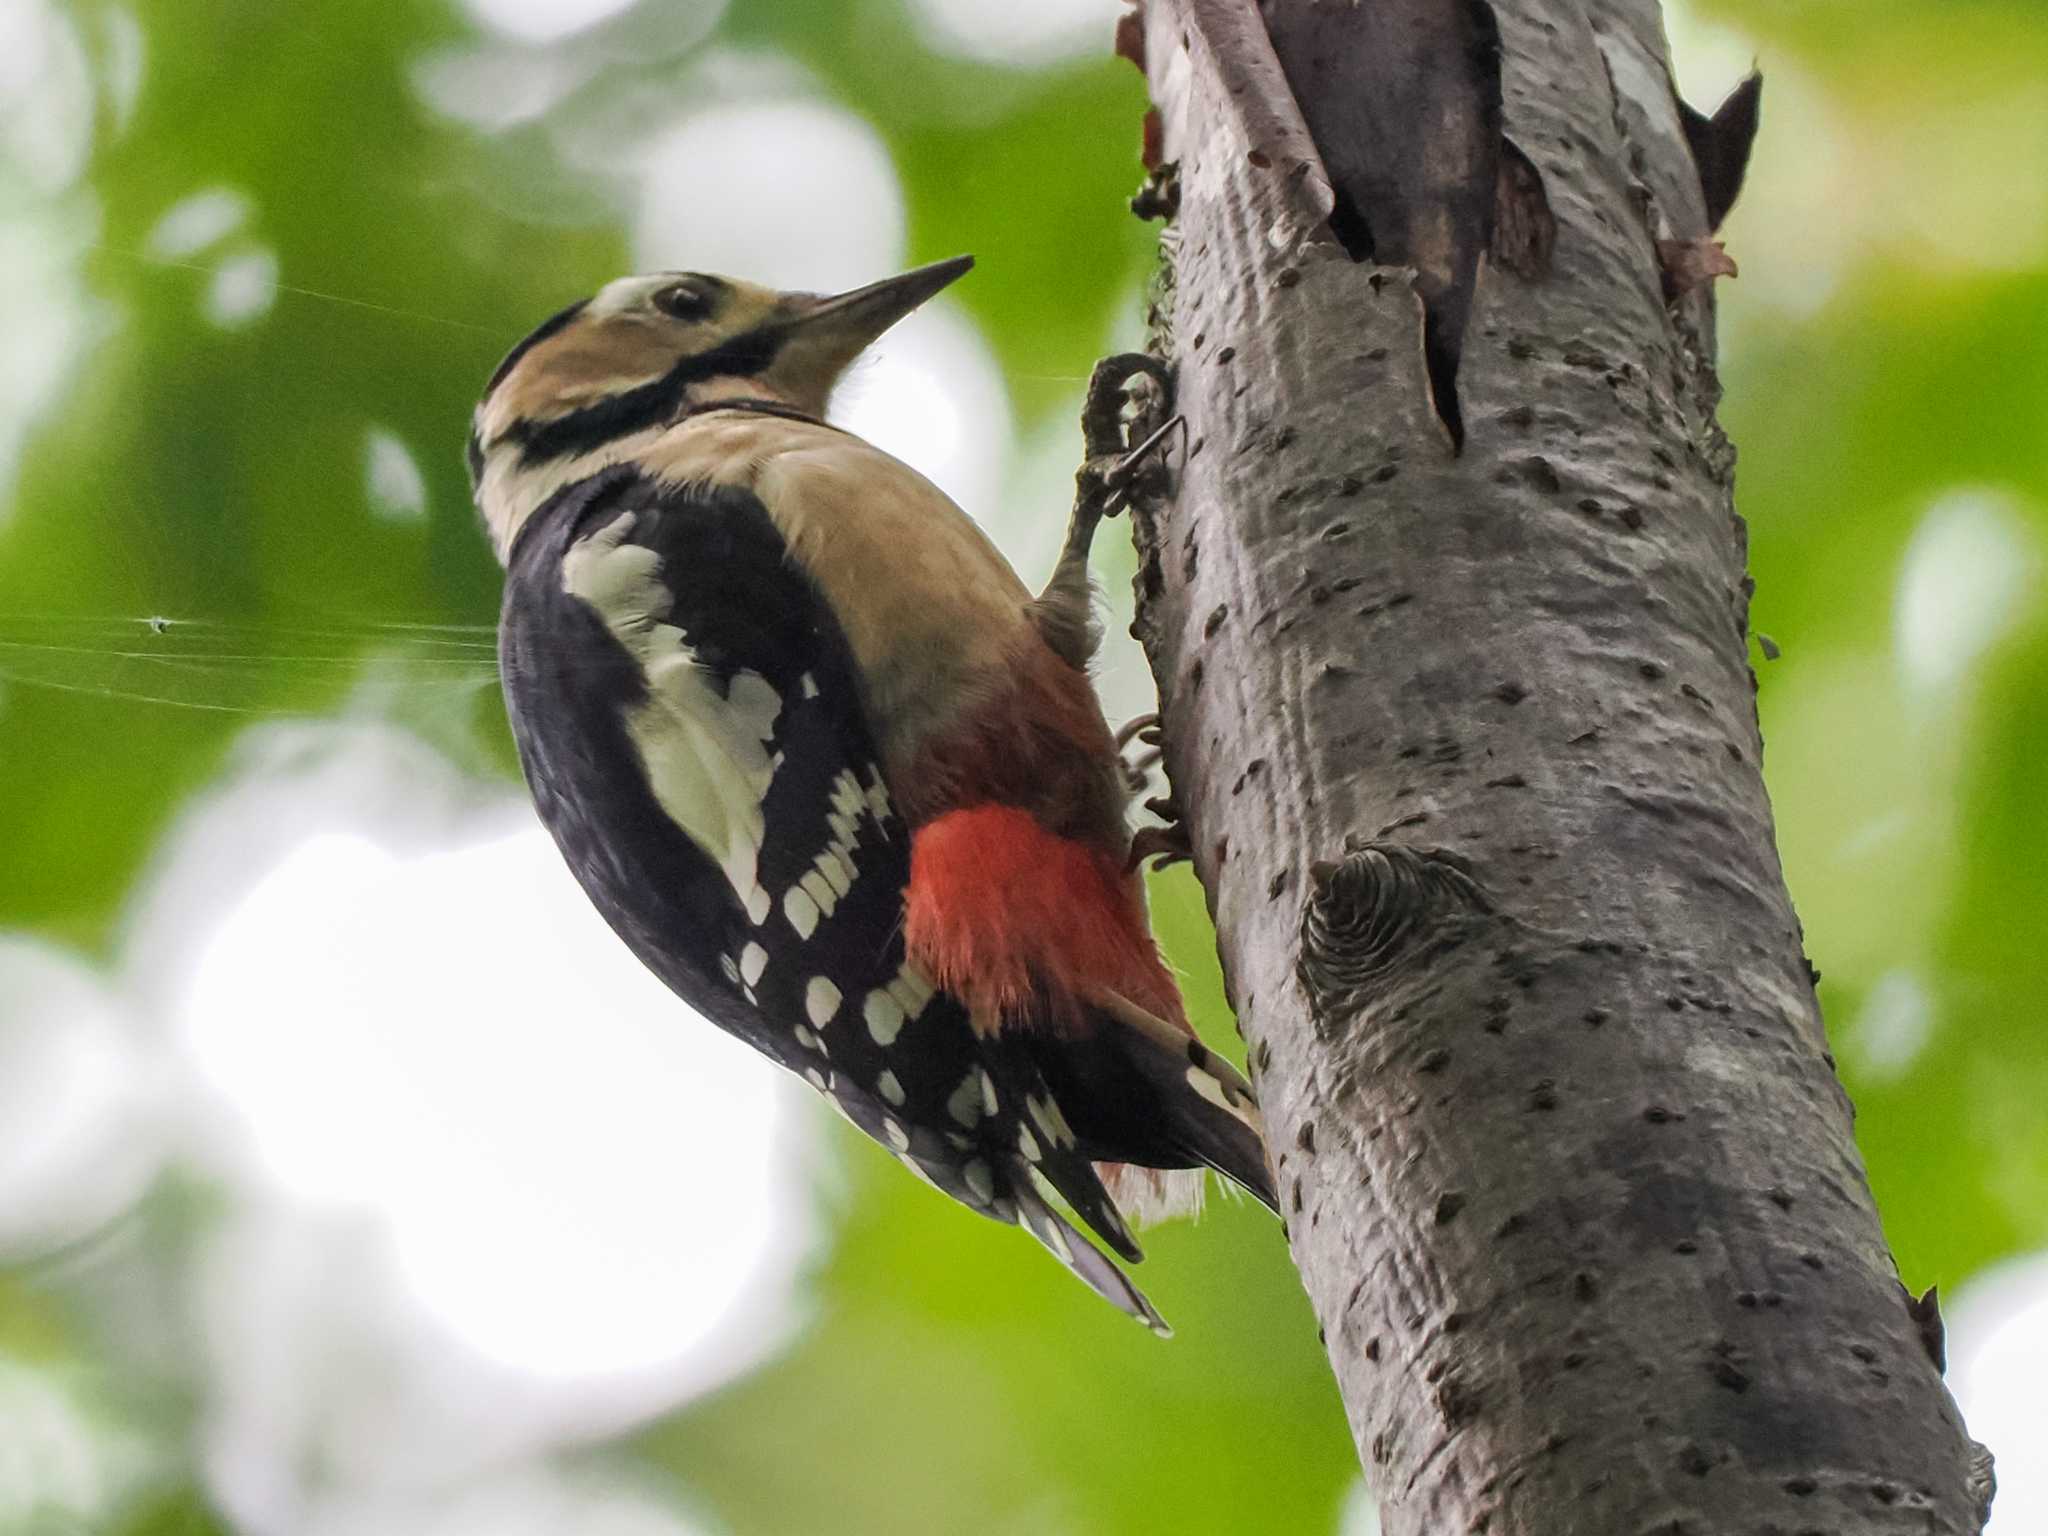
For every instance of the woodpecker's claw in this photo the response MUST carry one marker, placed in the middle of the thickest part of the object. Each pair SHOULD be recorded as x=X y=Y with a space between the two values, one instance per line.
x=1143 y=728
x=1142 y=733
x=1132 y=470
x=1164 y=845
x=1115 y=468
x=1115 y=380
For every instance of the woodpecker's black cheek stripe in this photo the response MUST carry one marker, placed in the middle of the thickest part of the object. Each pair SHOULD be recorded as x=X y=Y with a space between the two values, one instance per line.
x=647 y=405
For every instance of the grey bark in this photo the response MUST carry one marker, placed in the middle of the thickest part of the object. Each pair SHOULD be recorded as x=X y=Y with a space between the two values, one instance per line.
x=1466 y=749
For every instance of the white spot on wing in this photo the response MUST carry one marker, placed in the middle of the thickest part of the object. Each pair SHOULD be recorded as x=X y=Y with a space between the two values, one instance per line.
x=821 y=891
x=1056 y=1240
x=821 y=1000
x=892 y=1088
x=898 y=1137
x=980 y=1179
x=878 y=794
x=1050 y=1121
x=838 y=873
x=753 y=961
x=801 y=911
x=911 y=991
x=964 y=1102
x=1207 y=1087
x=884 y=1015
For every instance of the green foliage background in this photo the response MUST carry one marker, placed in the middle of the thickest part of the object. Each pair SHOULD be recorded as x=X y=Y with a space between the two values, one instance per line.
x=1883 y=354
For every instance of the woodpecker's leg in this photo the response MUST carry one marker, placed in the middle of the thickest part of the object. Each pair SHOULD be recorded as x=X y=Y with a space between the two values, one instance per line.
x=1111 y=472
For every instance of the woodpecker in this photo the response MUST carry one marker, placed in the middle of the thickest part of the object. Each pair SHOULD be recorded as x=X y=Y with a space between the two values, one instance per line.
x=828 y=767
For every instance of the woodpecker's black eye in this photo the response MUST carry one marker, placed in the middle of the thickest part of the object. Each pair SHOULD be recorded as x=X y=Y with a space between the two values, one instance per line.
x=684 y=301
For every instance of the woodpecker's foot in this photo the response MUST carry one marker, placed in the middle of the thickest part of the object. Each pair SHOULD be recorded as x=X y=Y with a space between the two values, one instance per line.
x=1164 y=846
x=1124 y=423
x=1134 y=379
x=1123 y=420
x=1112 y=474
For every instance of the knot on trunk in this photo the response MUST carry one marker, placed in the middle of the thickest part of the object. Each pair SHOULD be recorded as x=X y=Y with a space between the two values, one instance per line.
x=1373 y=911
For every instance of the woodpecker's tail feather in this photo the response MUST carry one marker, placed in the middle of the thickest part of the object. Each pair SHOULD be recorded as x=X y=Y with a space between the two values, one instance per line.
x=1087 y=1263
x=1141 y=1091
x=1030 y=1117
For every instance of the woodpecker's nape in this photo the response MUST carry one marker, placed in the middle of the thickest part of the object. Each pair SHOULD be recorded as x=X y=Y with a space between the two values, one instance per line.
x=829 y=769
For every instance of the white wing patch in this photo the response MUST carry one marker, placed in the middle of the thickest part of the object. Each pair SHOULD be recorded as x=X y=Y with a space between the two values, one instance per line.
x=706 y=757
x=902 y=1001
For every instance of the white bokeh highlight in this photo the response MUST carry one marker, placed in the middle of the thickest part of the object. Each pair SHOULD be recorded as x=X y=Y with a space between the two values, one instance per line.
x=488 y=1190
x=1018 y=35
x=543 y=21
x=1969 y=574
x=538 y=1499
x=62 y=1467
x=46 y=95
x=242 y=288
x=124 y=61
x=1998 y=1358
x=393 y=483
x=493 y=87
x=197 y=221
x=931 y=393
x=79 y=1128
x=792 y=193
x=744 y=187
x=1893 y=1026
x=576 y=1175
x=49 y=322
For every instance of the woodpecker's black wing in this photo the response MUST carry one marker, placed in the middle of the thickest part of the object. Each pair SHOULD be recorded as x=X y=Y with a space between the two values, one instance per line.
x=688 y=717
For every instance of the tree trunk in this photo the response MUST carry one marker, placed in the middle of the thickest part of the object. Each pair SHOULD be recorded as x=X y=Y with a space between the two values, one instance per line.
x=1466 y=748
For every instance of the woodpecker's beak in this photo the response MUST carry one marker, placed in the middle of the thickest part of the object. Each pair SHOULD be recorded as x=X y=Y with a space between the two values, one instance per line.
x=849 y=322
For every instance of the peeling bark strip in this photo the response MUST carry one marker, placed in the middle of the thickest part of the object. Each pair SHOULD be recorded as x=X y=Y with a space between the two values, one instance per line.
x=1720 y=145
x=1402 y=101
x=1468 y=754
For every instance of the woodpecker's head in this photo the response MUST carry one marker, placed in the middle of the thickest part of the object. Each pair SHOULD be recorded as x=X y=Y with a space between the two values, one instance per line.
x=606 y=377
